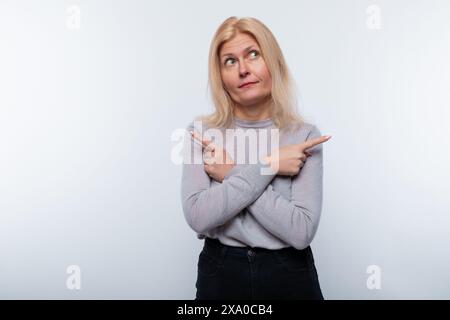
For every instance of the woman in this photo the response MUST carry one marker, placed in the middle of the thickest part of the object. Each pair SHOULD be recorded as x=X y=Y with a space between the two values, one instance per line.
x=257 y=219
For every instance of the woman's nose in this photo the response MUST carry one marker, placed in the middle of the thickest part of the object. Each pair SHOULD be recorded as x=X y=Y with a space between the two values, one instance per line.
x=243 y=71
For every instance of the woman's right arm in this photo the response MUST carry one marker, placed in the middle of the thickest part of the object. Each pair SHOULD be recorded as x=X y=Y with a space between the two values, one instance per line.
x=206 y=207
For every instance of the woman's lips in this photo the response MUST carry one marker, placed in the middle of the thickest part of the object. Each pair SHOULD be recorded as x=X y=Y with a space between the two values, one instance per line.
x=248 y=84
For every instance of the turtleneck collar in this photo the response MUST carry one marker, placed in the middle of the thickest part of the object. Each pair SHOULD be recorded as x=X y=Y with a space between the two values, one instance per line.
x=253 y=123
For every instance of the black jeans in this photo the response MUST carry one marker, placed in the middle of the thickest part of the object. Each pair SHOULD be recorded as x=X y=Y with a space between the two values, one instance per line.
x=245 y=273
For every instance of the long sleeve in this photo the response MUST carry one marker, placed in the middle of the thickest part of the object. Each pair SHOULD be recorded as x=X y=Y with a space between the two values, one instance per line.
x=295 y=221
x=207 y=206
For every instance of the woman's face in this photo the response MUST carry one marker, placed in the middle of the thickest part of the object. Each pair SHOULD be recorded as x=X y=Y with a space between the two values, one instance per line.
x=241 y=62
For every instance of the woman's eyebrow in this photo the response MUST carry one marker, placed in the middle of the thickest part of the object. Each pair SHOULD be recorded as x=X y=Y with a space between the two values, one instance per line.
x=230 y=54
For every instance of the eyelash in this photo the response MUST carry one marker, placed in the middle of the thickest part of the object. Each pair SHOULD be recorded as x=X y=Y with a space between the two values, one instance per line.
x=226 y=60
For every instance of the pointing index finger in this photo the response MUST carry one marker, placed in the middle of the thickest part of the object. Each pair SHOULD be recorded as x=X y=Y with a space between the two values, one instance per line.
x=313 y=142
x=205 y=142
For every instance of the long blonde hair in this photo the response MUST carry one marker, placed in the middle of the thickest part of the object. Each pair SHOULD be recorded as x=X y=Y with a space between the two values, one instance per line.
x=284 y=106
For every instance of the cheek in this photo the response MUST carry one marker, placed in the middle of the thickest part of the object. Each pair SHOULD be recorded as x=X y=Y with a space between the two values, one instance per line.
x=227 y=81
x=265 y=76
x=268 y=79
x=264 y=73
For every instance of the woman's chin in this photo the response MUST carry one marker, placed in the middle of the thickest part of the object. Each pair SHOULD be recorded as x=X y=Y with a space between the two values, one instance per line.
x=250 y=100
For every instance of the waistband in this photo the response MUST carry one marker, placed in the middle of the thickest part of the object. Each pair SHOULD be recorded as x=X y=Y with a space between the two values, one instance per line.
x=216 y=245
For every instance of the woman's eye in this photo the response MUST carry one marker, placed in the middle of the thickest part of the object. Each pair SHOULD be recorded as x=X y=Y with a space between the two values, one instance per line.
x=226 y=61
x=256 y=52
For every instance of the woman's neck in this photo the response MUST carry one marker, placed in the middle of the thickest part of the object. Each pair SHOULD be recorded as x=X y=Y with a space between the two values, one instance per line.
x=253 y=113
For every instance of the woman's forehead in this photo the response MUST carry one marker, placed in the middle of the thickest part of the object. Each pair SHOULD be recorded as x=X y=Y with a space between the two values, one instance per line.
x=237 y=44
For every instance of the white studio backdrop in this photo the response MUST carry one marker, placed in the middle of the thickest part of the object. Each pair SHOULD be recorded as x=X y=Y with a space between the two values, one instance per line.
x=91 y=93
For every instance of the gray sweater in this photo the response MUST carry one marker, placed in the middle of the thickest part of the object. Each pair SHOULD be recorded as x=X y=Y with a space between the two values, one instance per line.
x=250 y=208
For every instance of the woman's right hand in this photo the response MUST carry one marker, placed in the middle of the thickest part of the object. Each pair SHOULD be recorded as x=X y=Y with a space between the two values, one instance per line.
x=288 y=159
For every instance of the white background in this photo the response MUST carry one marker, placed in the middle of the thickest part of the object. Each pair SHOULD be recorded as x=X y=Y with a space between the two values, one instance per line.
x=87 y=114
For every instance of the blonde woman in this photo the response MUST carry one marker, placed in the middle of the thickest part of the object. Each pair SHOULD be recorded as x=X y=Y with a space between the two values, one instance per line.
x=257 y=218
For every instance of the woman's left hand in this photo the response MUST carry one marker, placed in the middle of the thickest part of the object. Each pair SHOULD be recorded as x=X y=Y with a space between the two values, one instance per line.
x=217 y=160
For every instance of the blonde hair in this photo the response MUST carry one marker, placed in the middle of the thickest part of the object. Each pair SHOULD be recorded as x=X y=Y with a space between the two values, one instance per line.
x=284 y=107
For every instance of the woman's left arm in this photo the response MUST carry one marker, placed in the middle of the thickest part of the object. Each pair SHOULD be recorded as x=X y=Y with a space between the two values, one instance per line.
x=295 y=221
